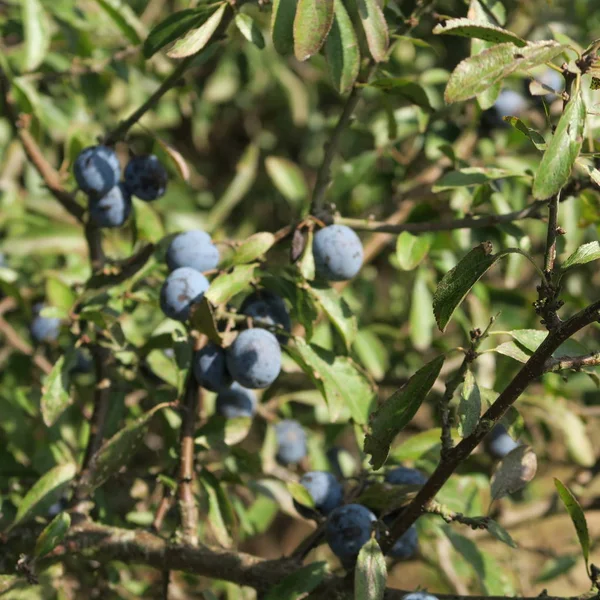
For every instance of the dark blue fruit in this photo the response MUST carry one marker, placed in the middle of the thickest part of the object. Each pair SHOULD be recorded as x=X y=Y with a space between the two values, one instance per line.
x=210 y=368
x=510 y=103
x=269 y=308
x=338 y=253
x=146 y=177
x=406 y=545
x=97 y=170
x=236 y=401
x=324 y=489
x=254 y=358
x=347 y=530
x=499 y=443
x=44 y=329
x=291 y=442
x=112 y=209
x=405 y=476
x=181 y=289
x=192 y=249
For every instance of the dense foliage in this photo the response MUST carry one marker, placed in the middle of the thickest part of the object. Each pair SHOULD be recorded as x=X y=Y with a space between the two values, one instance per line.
x=298 y=289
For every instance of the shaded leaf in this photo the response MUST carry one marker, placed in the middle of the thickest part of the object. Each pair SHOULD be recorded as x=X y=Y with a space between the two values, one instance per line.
x=36 y=34
x=221 y=515
x=477 y=73
x=52 y=534
x=386 y=498
x=375 y=27
x=537 y=139
x=342 y=50
x=301 y=582
x=470 y=176
x=469 y=406
x=420 y=444
x=282 y=25
x=559 y=157
x=398 y=410
x=227 y=285
x=306 y=264
x=124 y=18
x=411 y=249
x=219 y=432
x=338 y=312
x=405 y=88
x=421 y=317
x=287 y=178
x=514 y=471
x=173 y=27
x=56 y=391
x=249 y=29
x=479 y=30
x=370 y=576
x=500 y=533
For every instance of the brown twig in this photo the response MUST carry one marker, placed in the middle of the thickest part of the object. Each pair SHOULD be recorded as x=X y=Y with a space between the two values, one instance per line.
x=575 y=363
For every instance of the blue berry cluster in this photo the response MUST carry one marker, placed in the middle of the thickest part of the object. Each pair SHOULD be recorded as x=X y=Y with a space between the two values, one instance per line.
x=97 y=172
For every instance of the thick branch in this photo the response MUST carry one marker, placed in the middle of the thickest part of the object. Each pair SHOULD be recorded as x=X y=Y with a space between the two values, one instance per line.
x=530 y=371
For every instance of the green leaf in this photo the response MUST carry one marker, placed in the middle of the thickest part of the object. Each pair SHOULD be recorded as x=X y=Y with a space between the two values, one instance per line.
x=301 y=582
x=421 y=316
x=253 y=248
x=577 y=516
x=300 y=494
x=411 y=249
x=59 y=294
x=288 y=178
x=469 y=406
x=56 y=391
x=220 y=433
x=52 y=534
x=312 y=23
x=420 y=445
x=342 y=50
x=36 y=34
x=221 y=515
x=124 y=18
x=583 y=255
x=478 y=30
x=470 y=176
x=559 y=158
x=249 y=29
x=173 y=27
x=338 y=312
x=537 y=139
x=514 y=471
x=117 y=451
x=500 y=533
x=513 y=351
x=457 y=282
x=47 y=490
x=477 y=73
x=196 y=39
x=385 y=498
x=282 y=25
x=306 y=264
x=375 y=27
x=341 y=382
x=370 y=576
x=227 y=285
x=398 y=410
x=405 y=88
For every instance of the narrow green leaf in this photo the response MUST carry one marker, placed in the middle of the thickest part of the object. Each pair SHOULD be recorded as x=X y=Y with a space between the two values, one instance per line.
x=500 y=533
x=577 y=516
x=375 y=27
x=411 y=249
x=478 y=30
x=370 y=576
x=563 y=149
x=470 y=176
x=282 y=25
x=537 y=139
x=469 y=406
x=513 y=351
x=514 y=471
x=397 y=411
x=405 y=88
x=419 y=445
x=477 y=73
x=36 y=34
x=300 y=494
x=312 y=23
x=249 y=29
x=421 y=316
x=227 y=285
x=124 y=18
x=52 y=534
x=219 y=433
x=173 y=27
x=306 y=264
x=301 y=582
x=59 y=294
x=47 y=490
x=196 y=39
x=56 y=391
x=583 y=255
x=221 y=515
x=253 y=248
x=117 y=451
x=288 y=178
x=342 y=50
x=338 y=312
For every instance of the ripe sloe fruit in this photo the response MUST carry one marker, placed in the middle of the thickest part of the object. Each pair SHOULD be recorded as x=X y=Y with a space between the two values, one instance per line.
x=499 y=443
x=405 y=476
x=44 y=329
x=419 y=596
x=347 y=530
x=291 y=442
x=406 y=545
x=97 y=170
x=181 y=289
x=254 y=358
x=146 y=177
x=324 y=489
x=338 y=253
x=268 y=307
x=112 y=209
x=192 y=249
x=210 y=368
x=235 y=401
x=510 y=103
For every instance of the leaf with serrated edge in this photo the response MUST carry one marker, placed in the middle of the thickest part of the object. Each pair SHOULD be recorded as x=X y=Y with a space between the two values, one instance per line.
x=562 y=151
x=397 y=411
x=370 y=576
x=514 y=471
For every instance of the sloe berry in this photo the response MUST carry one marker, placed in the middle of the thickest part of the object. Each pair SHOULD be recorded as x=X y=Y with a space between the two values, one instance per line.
x=146 y=177
x=235 y=401
x=324 y=489
x=112 y=209
x=270 y=308
x=291 y=442
x=97 y=170
x=347 y=530
x=181 y=289
x=210 y=368
x=192 y=249
x=338 y=253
